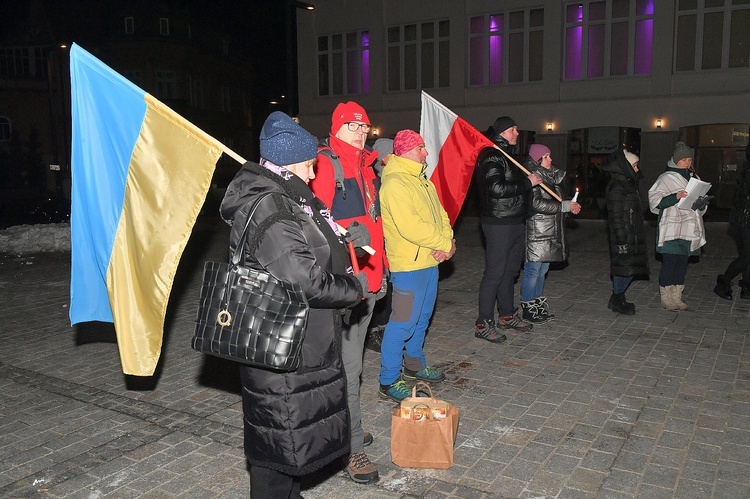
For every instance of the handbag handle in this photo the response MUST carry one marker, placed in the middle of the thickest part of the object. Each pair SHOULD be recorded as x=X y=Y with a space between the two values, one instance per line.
x=237 y=254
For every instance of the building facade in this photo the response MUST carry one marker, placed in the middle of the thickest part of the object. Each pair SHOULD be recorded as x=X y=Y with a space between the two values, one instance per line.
x=172 y=52
x=583 y=77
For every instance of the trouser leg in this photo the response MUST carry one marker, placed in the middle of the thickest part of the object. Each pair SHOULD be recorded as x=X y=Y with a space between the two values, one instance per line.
x=265 y=483
x=352 y=350
x=673 y=269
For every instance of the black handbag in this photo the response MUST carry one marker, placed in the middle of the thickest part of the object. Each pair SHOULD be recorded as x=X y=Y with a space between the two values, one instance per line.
x=248 y=315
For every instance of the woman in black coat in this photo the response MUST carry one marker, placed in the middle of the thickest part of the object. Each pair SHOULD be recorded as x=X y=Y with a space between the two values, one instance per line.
x=627 y=243
x=739 y=229
x=295 y=422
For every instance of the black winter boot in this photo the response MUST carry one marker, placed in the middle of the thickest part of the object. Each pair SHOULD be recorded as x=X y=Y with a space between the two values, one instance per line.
x=532 y=312
x=617 y=303
x=723 y=288
x=544 y=307
x=745 y=293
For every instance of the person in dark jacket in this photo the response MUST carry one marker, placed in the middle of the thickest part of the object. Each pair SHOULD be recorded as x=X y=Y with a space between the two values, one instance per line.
x=627 y=244
x=739 y=229
x=545 y=234
x=504 y=192
x=295 y=422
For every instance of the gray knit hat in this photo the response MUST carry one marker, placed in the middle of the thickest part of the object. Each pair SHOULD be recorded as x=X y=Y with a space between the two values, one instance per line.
x=682 y=151
x=384 y=147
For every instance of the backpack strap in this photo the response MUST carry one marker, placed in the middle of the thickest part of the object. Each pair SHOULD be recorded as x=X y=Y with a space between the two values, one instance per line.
x=338 y=168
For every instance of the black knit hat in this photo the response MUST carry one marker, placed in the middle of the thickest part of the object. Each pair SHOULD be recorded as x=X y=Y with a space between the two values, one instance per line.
x=503 y=123
x=284 y=142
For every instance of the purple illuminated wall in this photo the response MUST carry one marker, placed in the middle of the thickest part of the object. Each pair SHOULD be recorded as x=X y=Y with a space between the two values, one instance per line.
x=496 y=49
x=365 y=62
x=573 y=41
x=644 y=32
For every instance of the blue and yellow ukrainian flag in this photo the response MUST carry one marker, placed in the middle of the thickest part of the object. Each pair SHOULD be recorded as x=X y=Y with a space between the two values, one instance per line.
x=140 y=175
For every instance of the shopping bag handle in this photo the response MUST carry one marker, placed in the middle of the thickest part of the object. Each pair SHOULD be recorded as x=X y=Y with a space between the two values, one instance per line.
x=423 y=384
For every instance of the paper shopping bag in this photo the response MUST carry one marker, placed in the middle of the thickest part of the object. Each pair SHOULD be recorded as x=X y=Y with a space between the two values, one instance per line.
x=423 y=432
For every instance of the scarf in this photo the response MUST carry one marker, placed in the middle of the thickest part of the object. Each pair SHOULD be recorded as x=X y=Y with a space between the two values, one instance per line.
x=318 y=212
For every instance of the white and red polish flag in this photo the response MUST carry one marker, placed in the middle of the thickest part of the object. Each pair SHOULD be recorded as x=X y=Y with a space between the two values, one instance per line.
x=453 y=146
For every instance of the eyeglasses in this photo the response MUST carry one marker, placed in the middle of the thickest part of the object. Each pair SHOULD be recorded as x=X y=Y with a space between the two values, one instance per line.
x=353 y=126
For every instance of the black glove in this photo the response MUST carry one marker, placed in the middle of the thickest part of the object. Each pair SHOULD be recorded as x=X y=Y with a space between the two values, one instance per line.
x=622 y=248
x=357 y=234
x=364 y=285
x=701 y=203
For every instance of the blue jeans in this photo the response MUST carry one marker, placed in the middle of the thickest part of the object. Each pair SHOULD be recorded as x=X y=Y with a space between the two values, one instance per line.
x=620 y=284
x=532 y=282
x=414 y=295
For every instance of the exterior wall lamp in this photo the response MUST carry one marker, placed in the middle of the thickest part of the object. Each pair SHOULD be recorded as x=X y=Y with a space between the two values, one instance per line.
x=658 y=123
x=549 y=126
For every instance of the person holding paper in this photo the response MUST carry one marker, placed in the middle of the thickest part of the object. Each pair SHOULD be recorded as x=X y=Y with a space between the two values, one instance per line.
x=628 y=255
x=680 y=232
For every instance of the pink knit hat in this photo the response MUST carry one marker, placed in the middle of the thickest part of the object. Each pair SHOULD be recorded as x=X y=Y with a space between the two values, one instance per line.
x=405 y=141
x=346 y=112
x=536 y=151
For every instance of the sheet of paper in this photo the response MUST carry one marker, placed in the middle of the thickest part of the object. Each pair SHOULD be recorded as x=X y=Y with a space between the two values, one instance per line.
x=695 y=189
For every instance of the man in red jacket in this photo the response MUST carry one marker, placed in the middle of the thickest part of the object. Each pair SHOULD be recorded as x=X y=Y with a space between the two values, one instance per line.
x=346 y=182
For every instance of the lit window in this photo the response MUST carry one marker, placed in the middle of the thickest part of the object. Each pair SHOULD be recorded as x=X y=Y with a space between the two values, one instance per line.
x=712 y=35
x=344 y=63
x=506 y=47
x=419 y=56
x=605 y=38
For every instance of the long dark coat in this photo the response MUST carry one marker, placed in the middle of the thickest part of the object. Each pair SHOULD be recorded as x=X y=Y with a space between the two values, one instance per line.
x=294 y=422
x=626 y=225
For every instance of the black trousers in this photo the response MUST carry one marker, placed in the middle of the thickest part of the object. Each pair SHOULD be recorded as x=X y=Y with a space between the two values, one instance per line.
x=673 y=269
x=503 y=257
x=741 y=264
x=266 y=483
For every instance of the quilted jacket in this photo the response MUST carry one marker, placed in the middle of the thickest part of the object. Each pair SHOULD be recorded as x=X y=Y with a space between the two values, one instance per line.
x=625 y=219
x=545 y=227
x=503 y=189
x=294 y=422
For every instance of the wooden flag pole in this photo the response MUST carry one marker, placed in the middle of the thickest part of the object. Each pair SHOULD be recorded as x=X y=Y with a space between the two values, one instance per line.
x=527 y=172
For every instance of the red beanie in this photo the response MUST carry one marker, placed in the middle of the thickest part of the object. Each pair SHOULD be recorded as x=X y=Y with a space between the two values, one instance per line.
x=346 y=112
x=405 y=141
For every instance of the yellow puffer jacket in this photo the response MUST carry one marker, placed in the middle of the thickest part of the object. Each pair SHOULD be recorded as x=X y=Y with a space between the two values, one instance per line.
x=414 y=221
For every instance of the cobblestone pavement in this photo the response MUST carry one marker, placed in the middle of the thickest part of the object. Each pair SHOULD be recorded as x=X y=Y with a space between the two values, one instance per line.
x=593 y=404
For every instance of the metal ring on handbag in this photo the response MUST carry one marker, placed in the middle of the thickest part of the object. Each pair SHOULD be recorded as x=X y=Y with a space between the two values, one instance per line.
x=224 y=318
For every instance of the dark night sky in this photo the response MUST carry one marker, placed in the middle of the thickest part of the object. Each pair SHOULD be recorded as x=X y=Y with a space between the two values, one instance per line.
x=256 y=28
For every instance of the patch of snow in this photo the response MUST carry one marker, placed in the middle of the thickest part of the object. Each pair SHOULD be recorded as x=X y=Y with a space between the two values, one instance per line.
x=40 y=238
